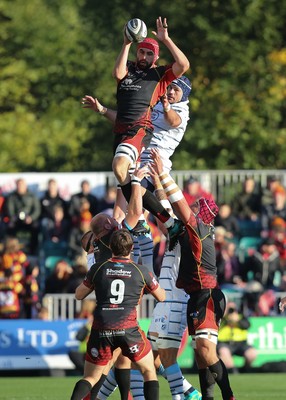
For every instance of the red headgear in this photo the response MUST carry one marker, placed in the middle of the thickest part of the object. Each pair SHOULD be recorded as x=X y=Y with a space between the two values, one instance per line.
x=208 y=210
x=150 y=44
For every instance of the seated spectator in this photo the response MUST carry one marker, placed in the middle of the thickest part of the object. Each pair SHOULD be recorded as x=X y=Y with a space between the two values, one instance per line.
x=232 y=339
x=12 y=249
x=57 y=228
x=23 y=211
x=10 y=289
x=79 y=271
x=247 y=204
x=278 y=233
x=274 y=210
x=226 y=219
x=106 y=204
x=229 y=267
x=193 y=191
x=59 y=279
x=262 y=265
x=30 y=292
x=267 y=193
x=2 y=216
x=76 y=202
x=50 y=200
x=220 y=239
x=76 y=234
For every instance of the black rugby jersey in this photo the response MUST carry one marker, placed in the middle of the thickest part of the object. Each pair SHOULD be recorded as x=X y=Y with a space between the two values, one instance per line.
x=137 y=93
x=198 y=268
x=119 y=284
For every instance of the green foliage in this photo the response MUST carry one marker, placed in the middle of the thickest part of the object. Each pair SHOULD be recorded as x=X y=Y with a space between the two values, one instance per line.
x=52 y=53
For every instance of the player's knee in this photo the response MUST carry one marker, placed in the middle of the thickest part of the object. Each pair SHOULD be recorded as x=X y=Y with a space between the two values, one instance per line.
x=120 y=167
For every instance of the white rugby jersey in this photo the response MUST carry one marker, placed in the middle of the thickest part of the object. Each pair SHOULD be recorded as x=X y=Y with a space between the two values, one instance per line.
x=165 y=138
x=168 y=276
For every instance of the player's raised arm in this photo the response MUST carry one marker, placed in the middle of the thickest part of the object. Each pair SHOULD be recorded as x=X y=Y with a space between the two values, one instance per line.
x=181 y=64
x=120 y=67
x=96 y=106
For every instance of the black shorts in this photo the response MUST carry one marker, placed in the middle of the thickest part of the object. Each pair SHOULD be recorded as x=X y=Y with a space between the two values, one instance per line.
x=101 y=344
x=205 y=310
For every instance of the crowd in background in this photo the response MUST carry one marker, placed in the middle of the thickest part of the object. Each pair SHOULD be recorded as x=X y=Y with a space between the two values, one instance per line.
x=43 y=236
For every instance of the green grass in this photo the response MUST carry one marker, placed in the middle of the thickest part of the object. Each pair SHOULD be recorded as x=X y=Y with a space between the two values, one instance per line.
x=245 y=386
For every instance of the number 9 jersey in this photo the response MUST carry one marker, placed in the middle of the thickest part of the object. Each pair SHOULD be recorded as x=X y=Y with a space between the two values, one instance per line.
x=119 y=284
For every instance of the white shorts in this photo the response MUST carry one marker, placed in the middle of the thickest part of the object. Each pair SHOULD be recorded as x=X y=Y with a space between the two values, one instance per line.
x=169 y=321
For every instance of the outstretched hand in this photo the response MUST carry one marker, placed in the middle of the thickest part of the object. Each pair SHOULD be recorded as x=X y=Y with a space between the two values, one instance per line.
x=142 y=172
x=162 y=29
x=157 y=164
x=92 y=102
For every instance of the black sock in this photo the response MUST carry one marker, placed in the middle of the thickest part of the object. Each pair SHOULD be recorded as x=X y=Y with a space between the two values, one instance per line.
x=94 y=391
x=81 y=389
x=152 y=204
x=126 y=190
x=220 y=374
x=207 y=384
x=151 y=390
x=122 y=377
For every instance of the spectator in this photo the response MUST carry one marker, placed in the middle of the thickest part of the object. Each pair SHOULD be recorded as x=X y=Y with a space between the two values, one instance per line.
x=10 y=289
x=76 y=234
x=229 y=268
x=79 y=272
x=60 y=278
x=247 y=204
x=30 y=293
x=193 y=191
x=267 y=193
x=23 y=212
x=278 y=233
x=13 y=250
x=274 y=210
x=75 y=207
x=232 y=339
x=106 y=204
x=226 y=219
x=263 y=264
x=2 y=215
x=50 y=200
x=57 y=228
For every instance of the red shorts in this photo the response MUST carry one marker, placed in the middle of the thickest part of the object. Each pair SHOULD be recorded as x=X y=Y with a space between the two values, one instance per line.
x=101 y=344
x=205 y=310
x=132 y=143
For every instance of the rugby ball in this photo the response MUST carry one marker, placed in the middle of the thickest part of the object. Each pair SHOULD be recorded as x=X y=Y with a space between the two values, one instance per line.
x=136 y=30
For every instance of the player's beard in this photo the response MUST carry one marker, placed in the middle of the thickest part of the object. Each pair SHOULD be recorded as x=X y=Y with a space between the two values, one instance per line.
x=143 y=65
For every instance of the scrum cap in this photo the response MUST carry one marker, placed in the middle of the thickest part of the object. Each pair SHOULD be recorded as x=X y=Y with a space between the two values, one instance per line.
x=208 y=210
x=150 y=44
x=184 y=84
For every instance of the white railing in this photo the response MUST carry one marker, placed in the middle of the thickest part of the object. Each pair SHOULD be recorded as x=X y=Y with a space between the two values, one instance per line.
x=65 y=306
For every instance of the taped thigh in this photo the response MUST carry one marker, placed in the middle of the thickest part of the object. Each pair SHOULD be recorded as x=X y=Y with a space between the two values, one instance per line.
x=127 y=150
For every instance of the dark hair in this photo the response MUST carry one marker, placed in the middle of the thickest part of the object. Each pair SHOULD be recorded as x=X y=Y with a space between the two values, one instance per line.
x=121 y=243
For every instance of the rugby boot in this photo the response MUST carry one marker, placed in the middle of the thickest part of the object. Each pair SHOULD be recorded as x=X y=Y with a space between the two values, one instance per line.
x=141 y=228
x=194 y=395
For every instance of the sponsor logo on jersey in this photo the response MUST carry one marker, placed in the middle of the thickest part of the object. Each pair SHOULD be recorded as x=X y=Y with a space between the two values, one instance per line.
x=115 y=332
x=118 y=272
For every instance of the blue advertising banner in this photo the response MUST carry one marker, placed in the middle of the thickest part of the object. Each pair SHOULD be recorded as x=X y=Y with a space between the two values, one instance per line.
x=35 y=344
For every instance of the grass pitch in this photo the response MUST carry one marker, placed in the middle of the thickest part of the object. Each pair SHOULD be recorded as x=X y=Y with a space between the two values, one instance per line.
x=245 y=386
